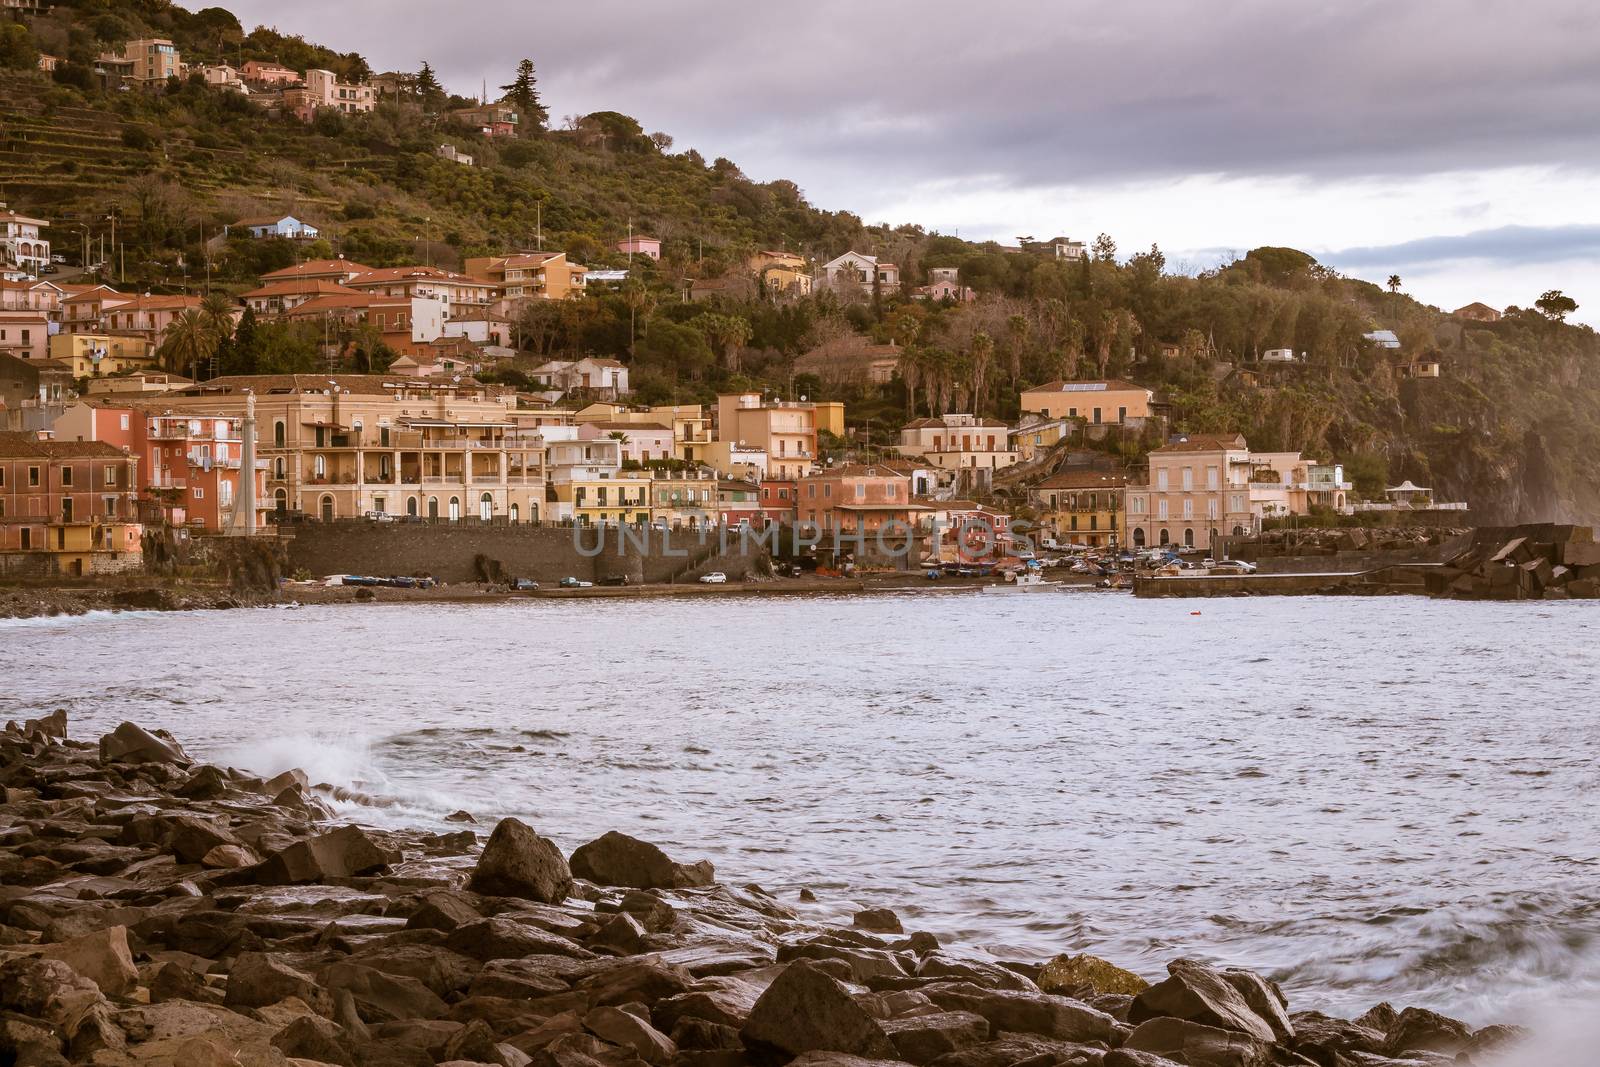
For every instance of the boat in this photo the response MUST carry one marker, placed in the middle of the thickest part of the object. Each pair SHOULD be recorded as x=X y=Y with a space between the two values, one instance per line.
x=1028 y=581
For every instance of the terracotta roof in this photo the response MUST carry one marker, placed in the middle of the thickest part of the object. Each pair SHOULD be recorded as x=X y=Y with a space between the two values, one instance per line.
x=1059 y=386
x=632 y=426
x=1085 y=480
x=393 y=274
x=1204 y=442
x=316 y=266
x=366 y=384
x=858 y=470
x=28 y=446
x=297 y=286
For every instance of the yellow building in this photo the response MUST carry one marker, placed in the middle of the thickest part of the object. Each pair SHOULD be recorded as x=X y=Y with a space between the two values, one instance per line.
x=1083 y=507
x=530 y=275
x=685 y=499
x=782 y=273
x=95 y=355
x=691 y=426
x=1097 y=402
x=1039 y=435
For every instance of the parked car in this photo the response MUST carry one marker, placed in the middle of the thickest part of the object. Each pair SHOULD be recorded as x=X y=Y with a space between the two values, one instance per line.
x=714 y=578
x=379 y=516
x=569 y=582
x=615 y=579
x=525 y=585
x=1208 y=563
x=1233 y=566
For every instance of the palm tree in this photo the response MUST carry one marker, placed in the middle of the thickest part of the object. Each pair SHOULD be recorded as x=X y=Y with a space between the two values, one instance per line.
x=1394 y=283
x=218 y=310
x=910 y=368
x=979 y=356
x=186 y=342
x=729 y=333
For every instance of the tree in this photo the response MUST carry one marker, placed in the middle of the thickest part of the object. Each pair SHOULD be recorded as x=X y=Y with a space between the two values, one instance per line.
x=17 y=51
x=1104 y=249
x=187 y=342
x=727 y=332
x=429 y=91
x=1556 y=305
x=979 y=357
x=523 y=92
x=1394 y=283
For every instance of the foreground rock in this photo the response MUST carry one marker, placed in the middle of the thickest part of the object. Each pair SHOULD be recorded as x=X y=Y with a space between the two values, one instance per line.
x=159 y=913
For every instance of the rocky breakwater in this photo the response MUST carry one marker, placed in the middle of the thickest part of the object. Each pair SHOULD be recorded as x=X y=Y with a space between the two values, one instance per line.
x=154 y=910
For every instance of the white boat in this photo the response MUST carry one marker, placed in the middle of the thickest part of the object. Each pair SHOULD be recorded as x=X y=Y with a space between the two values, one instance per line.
x=1029 y=581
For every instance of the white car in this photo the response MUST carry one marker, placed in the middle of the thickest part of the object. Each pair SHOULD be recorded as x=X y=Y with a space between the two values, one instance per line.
x=714 y=578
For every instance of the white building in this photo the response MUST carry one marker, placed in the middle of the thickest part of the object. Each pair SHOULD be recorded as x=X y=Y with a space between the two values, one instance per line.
x=867 y=270
x=21 y=247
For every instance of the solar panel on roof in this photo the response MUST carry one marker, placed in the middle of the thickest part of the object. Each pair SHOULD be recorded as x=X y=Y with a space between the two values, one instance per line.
x=1083 y=387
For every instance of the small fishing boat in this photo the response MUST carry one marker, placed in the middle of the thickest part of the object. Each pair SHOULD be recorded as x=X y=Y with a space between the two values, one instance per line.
x=1028 y=581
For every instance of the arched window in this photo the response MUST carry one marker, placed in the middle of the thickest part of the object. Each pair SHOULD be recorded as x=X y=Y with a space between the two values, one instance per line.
x=280 y=502
x=1238 y=531
x=1165 y=537
x=319 y=467
x=279 y=434
x=486 y=507
x=411 y=506
x=433 y=507
x=455 y=509
x=515 y=513
x=1188 y=537
x=279 y=469
x=327 y=509
x=1138 y=537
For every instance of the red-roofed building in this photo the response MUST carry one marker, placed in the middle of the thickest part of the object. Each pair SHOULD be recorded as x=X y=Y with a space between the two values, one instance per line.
x=67 y=507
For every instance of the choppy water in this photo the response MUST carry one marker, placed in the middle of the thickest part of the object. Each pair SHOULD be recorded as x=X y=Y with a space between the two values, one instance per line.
x=1366 y=799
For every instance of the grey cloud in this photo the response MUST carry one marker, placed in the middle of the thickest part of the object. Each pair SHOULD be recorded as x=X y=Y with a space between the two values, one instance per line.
x=1504 y=246
x=846 y=94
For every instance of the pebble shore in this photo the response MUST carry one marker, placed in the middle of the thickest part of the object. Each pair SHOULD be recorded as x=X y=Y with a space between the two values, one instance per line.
x=156 y=910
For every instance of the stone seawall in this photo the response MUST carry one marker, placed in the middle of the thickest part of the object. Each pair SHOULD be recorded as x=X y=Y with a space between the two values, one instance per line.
x=458 y=552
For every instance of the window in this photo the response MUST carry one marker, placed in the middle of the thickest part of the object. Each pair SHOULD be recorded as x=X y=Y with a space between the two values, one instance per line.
x=66 y=476
x=124 y=421
x=27 y=537
x=1188 y=479
x=1211 y=509
x=278 y=434
x=861 y=491
x=1211 y=478
x=1097 y=416
x=199 y=493
x=827 y=489
x=110 y=506
x=1161 y=509
x=1122 y=414
x=319 y=467
x=1161 y=479
x=1188 y=508
x=111 y=474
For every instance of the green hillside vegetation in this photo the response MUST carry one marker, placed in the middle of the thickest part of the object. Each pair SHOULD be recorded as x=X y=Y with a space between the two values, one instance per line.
x=1507 y=426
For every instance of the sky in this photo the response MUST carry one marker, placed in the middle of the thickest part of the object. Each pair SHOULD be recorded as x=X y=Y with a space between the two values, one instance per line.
x=1453 y=142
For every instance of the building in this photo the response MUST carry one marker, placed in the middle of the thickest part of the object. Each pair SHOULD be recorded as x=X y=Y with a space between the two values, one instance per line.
x=67 y=508
x=139 y=383
x=462 y=293
x=604 y=377
x=221 y=76
x=735 y=460
x=1383 y=338
x=968 y=532
x=1197 y=489
x=145 y=62
x=25 y=334
x=286 y=226
x=588 y=486
x=190 y=466
x=851 y=360
x=347 y=445
x=1083 y=507
x=454 y=155
x=642 y=442
x=779 y=497
x=481 y=326
x=641 y=245
x=31 y=295
x=1035 y=434
x=406 y=324
x=1112 y=401
x=21 y=246
x=957 y=441
x=1477 y=312
x=782 y=273
x=269 y=74
x=786 y=431
x=857 y=498
x=684 y=498
x=944 y=283
x=491 y=120
x=530 y=275
x=322 y=89
x=102 y=310
x=865 y=272
x=334 y=270
x=1279 y=355
x=91 y=355
x=33 y=392
x=276 y=297
x=691 y=427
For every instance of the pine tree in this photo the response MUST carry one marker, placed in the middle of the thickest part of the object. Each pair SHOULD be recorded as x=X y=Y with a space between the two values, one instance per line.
x=523 y=92
x=429 y=91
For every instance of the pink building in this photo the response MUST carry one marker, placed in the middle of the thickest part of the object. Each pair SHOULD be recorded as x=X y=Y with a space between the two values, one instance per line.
x=856 y=497
x=269 y=73
x=641 y=441
x=641 y=246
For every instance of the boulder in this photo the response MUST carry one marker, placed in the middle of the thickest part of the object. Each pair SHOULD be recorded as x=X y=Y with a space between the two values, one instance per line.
x=1264 y=998
x=616 y=859
x=636 y=982
x=804 y=1010
x=474 y=1043
x=257 y=980
x=1199 y=994
x=102 y=957
x=311 y=1037
x=342 y=853
x=1027 y=1013
x=190 y=838
x=879 y=921
x=381 y=997
x=622 y=933
x=498 y=939
x=132 y=744
x=1197 y=1044
x=921 y=1039
x=51 y=725
x=206 y=783
x=46 y=989
x=517 y=862
x=1323 y=1038
x=1084 y=975
x=628 y=1030
x=652 y=913
x=1419 y=1030
x=228 y=858
x=444 y=910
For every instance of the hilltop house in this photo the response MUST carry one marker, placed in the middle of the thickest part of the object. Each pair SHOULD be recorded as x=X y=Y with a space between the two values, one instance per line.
x=866 y=272
x=277 y=226
x=1477 y=312
x=20 y=244
x=1112 y=401
x=641 y=245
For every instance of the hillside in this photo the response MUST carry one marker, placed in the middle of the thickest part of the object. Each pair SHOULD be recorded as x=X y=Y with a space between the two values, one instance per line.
x=1508 y=426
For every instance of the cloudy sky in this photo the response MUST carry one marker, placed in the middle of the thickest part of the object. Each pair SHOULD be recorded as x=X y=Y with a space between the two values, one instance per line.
x=1454 y=142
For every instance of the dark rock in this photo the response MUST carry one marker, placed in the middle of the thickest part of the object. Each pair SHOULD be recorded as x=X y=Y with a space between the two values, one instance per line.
x=1264 y=998
x=342 y=853
x=495 y=939
x=1027 y=1013
x=808 y=896
x=980 y=972
x=311 y=1037
x=1493 y=1040
x=695 y=1033
x=623 y=933
x=805 y=1010
x=1324 y=1038
x=174 y=981
x=45 y=989
x=190 y=838
x=460 y=816
x=616 y=859
x=1420 y=1030
x=381 y=997
x=1202 y=995
x=131 y=744
x=1379 y=1017
x=628 y=1030
x=1019 y=1050
x=517 y=862
x=638 y=982
x=443 y=971
x=257 y=980
x=102 y=957
x=51 y=725
x=475 y=1042
x=526 y=978
x=1084 y=975
x=921 y=1039
x=206 y=783
x=444 y=910
x=879 y=921
x=1196 y=1044
x=651 y=912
